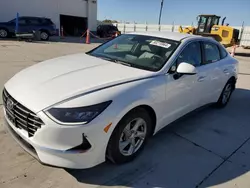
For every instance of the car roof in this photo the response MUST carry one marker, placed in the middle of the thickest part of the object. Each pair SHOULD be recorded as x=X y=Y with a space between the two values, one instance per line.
x=33 y=17
x=166 y=34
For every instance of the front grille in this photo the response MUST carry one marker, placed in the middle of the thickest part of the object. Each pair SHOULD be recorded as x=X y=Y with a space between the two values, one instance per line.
x=21 y=116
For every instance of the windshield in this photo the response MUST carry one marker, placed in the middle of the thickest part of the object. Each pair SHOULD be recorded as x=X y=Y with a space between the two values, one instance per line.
x=139 y=51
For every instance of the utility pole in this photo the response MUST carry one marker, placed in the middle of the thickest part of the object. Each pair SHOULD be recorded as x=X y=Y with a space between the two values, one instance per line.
x=159 y=23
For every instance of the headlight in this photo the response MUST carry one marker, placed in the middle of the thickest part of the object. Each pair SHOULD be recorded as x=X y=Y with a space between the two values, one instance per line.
x=79 y=115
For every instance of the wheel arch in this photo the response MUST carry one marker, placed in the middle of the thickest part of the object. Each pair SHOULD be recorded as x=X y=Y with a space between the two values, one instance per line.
x=150 y=111
x=233 y=80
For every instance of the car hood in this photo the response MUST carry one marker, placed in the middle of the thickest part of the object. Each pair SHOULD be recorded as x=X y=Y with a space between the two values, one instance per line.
x=55 y=80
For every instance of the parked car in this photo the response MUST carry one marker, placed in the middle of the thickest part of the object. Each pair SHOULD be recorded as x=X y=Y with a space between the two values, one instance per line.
x=79 y=110
x=28 y=25
x=107 y=31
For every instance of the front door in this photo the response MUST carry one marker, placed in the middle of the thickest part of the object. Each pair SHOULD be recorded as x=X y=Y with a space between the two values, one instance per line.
x=183 y=91
x=23 y=26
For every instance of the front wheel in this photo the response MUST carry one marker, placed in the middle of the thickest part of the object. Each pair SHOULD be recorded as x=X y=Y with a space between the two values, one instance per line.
x=225 y=95
x=129 y=137
x=3 y=33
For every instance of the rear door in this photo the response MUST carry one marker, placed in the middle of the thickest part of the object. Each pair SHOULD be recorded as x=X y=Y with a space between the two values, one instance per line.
x=210 y=73
x=34 y=24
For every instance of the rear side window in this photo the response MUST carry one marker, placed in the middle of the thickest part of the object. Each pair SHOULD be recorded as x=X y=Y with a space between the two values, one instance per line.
x=191 y=54
x=34 y=21
x=211 y=52
x=223 y=52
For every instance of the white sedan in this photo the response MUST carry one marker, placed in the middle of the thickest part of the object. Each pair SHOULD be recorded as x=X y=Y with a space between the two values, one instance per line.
x=77 y=111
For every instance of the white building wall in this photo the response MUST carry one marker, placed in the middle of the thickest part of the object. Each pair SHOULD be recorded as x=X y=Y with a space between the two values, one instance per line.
x=50 y=9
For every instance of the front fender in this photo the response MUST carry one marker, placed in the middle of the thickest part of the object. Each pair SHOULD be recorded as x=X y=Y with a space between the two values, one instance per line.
x=125 y=97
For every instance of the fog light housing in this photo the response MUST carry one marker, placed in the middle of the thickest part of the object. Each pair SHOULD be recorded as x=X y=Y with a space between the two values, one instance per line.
x=82 y=148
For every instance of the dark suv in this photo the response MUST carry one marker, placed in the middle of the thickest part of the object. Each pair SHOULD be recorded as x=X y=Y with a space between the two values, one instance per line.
x=28 y=25
x=107 y=30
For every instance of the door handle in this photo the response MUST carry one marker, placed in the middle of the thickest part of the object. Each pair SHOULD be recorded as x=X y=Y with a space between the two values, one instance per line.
x=226 y=71
x=201 y=79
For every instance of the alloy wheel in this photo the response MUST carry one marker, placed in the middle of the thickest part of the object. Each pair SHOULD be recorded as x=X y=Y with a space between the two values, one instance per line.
x=132 y=137
x=44 y=35
x=3 y=33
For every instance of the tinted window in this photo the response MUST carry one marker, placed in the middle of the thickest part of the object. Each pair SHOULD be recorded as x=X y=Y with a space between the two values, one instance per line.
x=45 y=21
x=223 y=52
x=34 y=21
x=212 y=53
x=22 y=21
x=191 y=54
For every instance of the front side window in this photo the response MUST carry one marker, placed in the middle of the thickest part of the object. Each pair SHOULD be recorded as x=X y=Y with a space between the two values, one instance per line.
x=139 y=51
x=211 y=52
x=22 y=21
x=191 y=54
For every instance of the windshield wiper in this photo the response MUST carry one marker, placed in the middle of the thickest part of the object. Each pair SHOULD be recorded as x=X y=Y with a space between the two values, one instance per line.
x=115 y=61
x=122 y=63
x=112 y=60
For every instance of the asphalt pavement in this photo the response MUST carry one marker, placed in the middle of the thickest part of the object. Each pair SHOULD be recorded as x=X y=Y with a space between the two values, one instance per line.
x=208 y=148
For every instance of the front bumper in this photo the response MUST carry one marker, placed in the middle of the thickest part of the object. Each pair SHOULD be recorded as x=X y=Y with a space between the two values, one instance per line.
x=52 y=144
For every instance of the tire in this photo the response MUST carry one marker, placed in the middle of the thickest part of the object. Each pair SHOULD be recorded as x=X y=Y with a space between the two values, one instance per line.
x=4 y=33
x=44 y=35
x=120 y=134
x=225 y=94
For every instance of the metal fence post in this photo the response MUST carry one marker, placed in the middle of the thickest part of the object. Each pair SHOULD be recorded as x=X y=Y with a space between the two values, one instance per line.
x=173 y=27
x=159 y=27
x=124 y=28
x=241 y=32
x=17 y=23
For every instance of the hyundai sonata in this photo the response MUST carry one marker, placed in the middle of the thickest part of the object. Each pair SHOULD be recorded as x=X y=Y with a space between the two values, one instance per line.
x=78 y=110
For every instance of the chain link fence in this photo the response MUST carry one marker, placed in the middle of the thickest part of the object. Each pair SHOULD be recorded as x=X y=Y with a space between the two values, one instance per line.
x=126 y=28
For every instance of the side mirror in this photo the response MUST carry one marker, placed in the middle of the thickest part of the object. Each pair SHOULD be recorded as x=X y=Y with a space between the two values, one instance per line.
x=186 y=68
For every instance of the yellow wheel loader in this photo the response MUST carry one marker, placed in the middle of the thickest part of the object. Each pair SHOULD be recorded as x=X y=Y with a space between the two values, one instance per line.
x=208 y=25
